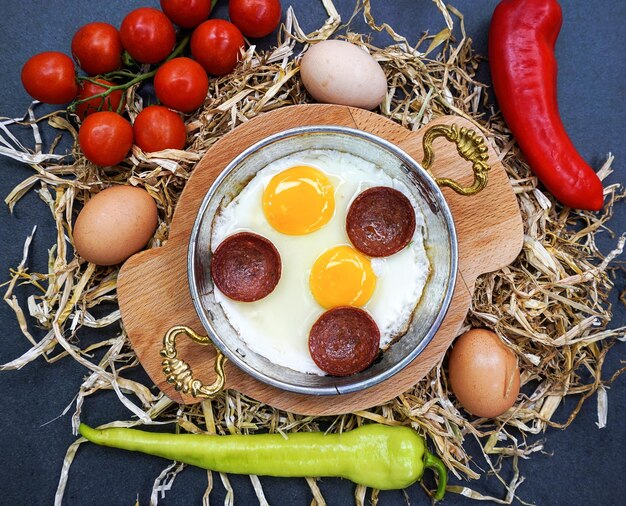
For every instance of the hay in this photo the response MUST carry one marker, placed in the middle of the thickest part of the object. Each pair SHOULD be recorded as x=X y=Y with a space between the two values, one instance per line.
x=549 y=306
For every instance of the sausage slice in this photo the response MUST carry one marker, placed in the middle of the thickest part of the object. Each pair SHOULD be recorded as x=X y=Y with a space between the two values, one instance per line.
x=380 y=221
x=344 y=340
x=246 y=267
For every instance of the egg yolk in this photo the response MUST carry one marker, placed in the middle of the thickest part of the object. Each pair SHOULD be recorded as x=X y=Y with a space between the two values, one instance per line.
x=342 y=276
x=299 y=200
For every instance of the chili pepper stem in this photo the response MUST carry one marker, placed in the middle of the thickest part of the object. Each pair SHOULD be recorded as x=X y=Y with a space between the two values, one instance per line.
x=436 y=464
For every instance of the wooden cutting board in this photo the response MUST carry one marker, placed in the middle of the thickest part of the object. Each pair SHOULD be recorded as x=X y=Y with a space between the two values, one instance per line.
x=153 y=289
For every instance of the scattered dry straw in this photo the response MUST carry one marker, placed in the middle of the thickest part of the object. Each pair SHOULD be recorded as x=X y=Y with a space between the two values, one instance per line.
x=549 y=306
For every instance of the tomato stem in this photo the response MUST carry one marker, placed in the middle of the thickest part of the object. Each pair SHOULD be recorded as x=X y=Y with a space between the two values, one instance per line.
x=110 y=89
x=179 y=48
x=114 y=74
x=135 y=78
x=127 y=59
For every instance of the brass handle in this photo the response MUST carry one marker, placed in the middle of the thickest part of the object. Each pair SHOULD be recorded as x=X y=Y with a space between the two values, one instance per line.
x=179 y=373
x=470 y=146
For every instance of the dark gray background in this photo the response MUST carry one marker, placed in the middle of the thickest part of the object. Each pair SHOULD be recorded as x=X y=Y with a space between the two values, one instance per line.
x=583 y=465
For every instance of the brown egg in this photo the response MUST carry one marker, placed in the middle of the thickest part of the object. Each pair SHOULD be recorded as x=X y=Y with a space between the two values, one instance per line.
x=114 y=224
x=484 y=375
x=337 y=72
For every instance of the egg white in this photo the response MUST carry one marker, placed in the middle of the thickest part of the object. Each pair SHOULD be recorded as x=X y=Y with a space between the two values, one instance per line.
x=277 y=327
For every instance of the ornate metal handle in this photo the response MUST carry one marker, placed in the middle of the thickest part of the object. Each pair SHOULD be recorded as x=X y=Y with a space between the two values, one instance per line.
x=470 y=145
x=179 y=373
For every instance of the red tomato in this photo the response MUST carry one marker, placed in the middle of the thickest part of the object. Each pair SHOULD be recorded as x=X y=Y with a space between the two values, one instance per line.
x=88 y=89
x=187 y=13
x=105 y=138
x=148 y=35
x=50 y=78
x=216 y=44
x=255 y=18
x=181 y=84
x=97 y=48
x=157 y=128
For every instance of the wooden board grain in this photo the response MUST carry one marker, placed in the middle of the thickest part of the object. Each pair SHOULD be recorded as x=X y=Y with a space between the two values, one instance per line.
x=153 y=290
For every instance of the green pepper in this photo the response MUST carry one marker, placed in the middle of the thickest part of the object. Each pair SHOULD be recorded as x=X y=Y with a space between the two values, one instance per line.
x=378 y=456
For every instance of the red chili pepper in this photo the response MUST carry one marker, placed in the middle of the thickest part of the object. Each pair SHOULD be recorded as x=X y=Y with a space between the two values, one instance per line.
x=524 y=70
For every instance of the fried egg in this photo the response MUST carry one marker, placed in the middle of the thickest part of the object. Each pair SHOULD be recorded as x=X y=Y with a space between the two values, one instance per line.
x=300 y=203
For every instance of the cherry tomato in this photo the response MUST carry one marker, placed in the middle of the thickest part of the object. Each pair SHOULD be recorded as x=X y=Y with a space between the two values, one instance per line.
x=187 y=13
x=157 y=128
x=181 y=84
x=97 y=48
x=255 y=18
x=88 y=89
x=50 y=78
x=148 y=35
x=216 y=44
x=105 y=138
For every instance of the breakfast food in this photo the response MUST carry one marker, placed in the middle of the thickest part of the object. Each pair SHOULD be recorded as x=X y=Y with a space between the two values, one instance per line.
x=284 y=209
x=381 y=221
x=246 y=267
x=484 y=374
x=114 y=224
x=299 y=203
x=338 y=72
x=342 y=276
x=344 y=340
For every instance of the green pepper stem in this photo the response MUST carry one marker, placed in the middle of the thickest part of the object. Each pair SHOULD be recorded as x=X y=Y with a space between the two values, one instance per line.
x=436 y=464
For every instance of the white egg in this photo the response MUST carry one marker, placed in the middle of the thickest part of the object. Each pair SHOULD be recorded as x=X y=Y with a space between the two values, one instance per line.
x=277 y=327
